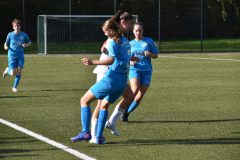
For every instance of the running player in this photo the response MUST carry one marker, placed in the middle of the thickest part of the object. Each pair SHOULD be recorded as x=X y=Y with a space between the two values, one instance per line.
x=15 y=43
x=139 y=75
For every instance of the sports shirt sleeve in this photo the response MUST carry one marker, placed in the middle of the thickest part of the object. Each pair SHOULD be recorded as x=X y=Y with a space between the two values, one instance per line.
x=153 y=47
x=27 y=39
x=112 y=49
x=8 y=40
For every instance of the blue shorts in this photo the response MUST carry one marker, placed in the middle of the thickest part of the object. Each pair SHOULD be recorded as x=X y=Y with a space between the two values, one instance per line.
x=110 y=87
x=144 y=77
x=14 y=62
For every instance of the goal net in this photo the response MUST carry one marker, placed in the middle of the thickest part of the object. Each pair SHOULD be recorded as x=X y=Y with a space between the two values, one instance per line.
x=71 y=33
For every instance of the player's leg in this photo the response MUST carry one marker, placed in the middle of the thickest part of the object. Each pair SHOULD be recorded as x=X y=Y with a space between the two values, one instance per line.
x=85 y=117
x=120 y=108
x=20 y=65
x=94 y=122
x=17 y=79
x=95 y=113
x=134 y=77
x=138 y=98
x=143 y=84
x=135 y=87
x=12 y=67
x=102 y=118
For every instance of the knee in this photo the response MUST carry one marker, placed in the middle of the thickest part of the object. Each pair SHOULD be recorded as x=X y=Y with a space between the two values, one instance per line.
x=12 y=73
x=138 y=98
x=83 y=101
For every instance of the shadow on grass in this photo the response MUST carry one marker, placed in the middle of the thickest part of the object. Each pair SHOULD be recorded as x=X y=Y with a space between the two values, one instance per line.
x=209 y=141
x=16 y=140
x=186 y=121
x=7 y=97
x=13 y=153
x=57 y=90
x=212 y=141
x=15 y=156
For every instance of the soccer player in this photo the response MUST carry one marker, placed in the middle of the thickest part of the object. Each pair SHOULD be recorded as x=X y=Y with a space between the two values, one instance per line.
x=15 y=43
x=111 y=86
x=139 y=75
x=125 y=21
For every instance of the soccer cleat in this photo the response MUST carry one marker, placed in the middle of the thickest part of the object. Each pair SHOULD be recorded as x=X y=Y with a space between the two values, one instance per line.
x=82 y=136
x=14 y=90
x=93 y=140
x=124 y=117
x=5 y=72
x=112 y=127
x=100 y=140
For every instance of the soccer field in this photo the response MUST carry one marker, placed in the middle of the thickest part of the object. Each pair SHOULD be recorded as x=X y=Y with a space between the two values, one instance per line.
x=190 y=112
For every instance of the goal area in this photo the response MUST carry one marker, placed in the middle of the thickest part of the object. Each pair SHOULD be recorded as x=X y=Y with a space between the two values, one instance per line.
x=66 y=34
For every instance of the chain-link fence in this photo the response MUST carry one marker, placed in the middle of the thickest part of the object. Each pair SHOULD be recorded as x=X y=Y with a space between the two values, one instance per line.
x=178 y=25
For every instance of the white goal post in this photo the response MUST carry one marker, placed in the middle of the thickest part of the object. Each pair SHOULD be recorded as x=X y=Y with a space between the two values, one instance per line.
x=71 y=33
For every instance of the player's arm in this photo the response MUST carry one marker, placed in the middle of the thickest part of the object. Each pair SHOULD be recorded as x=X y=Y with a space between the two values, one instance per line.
x=5 y=46
x=26 y=44
x=153 y=52
x=7 y=42
x=27 y=41
x=150 y=54
x=106 y=61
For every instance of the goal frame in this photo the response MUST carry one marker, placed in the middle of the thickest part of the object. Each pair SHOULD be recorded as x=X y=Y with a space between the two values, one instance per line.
x=45 y=50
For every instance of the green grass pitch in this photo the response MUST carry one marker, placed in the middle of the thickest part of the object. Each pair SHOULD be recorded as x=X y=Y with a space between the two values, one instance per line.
x=190 y=112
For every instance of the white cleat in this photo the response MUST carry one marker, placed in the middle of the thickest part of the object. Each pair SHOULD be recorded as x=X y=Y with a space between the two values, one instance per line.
x=14 y=90
x=110 y=126
x=93 y=140
x=5 y=72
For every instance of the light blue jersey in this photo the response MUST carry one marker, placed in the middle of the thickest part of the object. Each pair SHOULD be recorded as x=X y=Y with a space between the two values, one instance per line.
x=113 y=84
x=14 y=42
x=120 y=53
x=138 y=48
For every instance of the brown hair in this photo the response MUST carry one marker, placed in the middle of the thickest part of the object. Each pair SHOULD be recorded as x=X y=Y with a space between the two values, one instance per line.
x=138 y=23
x=16 y=21
x=111 y=24
x=122 y=15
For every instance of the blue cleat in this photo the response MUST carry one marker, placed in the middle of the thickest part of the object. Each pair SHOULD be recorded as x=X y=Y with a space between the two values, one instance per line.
x=100 y=140
x=82 y=136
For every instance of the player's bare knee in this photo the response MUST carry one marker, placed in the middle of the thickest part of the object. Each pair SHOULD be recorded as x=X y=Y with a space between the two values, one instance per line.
x=84 y=101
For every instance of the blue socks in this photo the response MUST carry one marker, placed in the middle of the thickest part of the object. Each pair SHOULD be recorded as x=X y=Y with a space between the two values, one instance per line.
x=85 y=118
x=16 y=81
x=102 y=118
x=132 y=107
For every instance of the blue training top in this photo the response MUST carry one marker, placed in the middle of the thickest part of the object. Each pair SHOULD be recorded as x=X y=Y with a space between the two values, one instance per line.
x=14 y=42
x=137 y=50
x=121 y=54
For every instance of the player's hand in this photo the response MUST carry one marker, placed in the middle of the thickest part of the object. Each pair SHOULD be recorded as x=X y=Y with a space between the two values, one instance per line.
x=147 y=53
x=136 y=59
x=132 y=63
x=24 y=45
x=87 y=61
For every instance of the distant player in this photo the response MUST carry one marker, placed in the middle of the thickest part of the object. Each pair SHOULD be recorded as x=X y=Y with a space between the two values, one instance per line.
x=139 y=75
x=15 y=43
x=111 y=86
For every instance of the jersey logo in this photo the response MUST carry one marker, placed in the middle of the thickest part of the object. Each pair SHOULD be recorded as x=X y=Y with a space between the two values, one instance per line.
x=144 y=45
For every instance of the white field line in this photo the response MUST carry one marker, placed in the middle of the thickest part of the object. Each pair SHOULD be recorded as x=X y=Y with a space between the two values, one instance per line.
x=215 y=59
x=46 y=140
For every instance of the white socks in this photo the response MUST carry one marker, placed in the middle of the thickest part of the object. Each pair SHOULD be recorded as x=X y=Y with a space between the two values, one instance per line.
x=116 y=115
x=93 y=126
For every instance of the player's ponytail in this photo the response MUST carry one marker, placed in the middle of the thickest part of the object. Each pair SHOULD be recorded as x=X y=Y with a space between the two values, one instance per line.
x=121 y=15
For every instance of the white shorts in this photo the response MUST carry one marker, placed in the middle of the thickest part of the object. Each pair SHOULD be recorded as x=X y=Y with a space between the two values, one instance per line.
x=100 y=76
